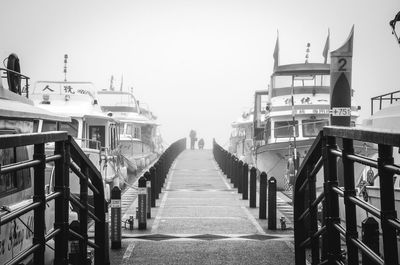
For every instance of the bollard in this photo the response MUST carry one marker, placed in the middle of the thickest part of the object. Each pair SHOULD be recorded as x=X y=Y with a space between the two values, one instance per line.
x=370 y=237
x=235 y=172
x=142 y=201
x=272 y=203
x=115 y=218
x=240 y=176
x=74 y=253
x=232 y=167
x=153 y=186
x=158 y=179
x=263 y=196
x=245 y=185
x=148 y=187
x=253 y=187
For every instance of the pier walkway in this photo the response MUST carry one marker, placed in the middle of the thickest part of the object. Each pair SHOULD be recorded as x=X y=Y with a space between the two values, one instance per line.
x=201 y=219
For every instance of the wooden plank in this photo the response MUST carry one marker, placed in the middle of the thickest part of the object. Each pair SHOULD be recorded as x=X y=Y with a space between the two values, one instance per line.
x=14 y=140
x=365 y=134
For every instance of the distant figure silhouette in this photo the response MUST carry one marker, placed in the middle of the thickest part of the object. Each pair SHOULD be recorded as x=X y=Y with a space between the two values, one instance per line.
x=201 y=143
x=193 y=138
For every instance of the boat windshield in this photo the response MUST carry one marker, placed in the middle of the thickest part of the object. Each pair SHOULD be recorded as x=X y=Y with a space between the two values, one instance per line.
x=301 y=80
x=284 y=129
x=312 y=127
x=70 y=127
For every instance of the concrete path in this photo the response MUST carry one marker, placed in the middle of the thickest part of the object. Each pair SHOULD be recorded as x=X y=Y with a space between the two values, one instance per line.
x=201 y=219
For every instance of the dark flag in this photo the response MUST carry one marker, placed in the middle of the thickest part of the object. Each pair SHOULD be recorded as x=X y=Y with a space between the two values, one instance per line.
x=276 y=53
x=326 y=49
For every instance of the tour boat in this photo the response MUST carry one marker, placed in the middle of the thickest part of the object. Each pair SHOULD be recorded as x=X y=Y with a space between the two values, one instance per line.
x=140 y=141
x=289 y=115
x=95 y=132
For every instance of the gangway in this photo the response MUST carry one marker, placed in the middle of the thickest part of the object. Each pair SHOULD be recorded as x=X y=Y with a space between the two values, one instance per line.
x=67 y=156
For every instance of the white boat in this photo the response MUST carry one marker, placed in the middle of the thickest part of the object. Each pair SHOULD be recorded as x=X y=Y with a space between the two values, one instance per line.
x=387 y=118
x=140 y=140
x=288 y=117
x=241 y=138
x=19 y=115
x=95 y=132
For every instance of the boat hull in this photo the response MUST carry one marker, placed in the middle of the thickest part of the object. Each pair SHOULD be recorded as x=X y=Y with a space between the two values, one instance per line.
x=273 y=160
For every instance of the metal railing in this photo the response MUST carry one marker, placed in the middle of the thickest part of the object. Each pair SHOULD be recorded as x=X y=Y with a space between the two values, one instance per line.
x=386 y=99
x=324 y=154
x=67 y=155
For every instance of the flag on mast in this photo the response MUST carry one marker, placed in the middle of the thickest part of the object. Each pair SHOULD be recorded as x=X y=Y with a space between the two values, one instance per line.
x=326 y=49
x=276 y=52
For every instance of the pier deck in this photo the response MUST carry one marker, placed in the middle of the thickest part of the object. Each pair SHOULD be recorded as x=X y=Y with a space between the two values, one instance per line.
x=201 y=219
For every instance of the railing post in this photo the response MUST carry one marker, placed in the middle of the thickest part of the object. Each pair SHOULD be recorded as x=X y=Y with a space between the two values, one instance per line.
x=272 y=203
x=332 y=200
x=245 y=182
x=253 y=187
x=370 y=237
x=39 y=196
x=389 y=236
x=83 y=213
x=299 y=227
x=263 y=196
x=61 y=184
x=313 y=216
x=350 y=208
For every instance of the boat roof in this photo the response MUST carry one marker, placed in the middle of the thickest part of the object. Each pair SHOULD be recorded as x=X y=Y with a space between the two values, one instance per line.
x=14 y=106
x=70 y=98
x=302 y=68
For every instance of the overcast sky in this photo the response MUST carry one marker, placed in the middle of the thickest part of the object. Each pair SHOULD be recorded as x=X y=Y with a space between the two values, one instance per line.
x=197 y=63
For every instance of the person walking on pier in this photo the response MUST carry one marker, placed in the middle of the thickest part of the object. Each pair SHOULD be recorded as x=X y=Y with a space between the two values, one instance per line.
x=193 y=139
x=201 y=143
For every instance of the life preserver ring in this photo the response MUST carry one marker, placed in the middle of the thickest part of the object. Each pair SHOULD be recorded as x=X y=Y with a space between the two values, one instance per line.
x=14 y=80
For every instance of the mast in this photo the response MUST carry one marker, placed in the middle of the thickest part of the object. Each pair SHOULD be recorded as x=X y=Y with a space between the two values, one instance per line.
x=65 y=67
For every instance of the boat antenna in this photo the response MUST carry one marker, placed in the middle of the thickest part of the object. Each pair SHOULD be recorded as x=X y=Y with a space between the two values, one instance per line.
x=111 y=83
x=307 y=52
x=122 y=82
x=392 y=23
x=294 y=124
x=65 y=67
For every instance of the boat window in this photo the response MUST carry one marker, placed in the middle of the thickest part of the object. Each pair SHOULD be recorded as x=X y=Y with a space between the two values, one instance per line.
x=312 y=127
x=49 y=126
x=121 y=128
x=15 y=181
x=129 y=129
x=268 y=130
x=97 y=133
x=284 y=129
x=70 y=127
x=303 y=80
x=137 y=133
x=35 y=126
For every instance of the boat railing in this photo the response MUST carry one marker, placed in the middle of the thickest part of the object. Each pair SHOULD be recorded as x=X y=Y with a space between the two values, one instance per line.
x=89 y=143
x=324 y=155
x=384 y=99
x=67 y=155
x=9 y=72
